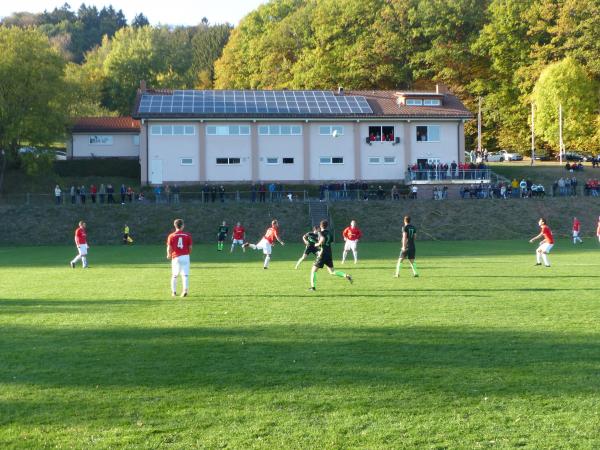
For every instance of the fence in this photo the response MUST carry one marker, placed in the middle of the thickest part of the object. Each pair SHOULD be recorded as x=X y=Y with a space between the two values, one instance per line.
x=449 y=175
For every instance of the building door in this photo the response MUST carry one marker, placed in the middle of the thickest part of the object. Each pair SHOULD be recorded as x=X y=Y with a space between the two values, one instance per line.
x=156 y=171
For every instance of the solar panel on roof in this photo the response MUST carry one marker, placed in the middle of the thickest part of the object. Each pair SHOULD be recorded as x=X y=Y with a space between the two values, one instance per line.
x=248 y=102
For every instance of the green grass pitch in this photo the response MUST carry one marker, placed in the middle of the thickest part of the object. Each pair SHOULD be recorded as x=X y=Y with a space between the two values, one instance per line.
x=483 y=350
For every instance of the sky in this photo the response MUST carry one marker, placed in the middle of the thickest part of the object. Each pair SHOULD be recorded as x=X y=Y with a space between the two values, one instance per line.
x=171 y=12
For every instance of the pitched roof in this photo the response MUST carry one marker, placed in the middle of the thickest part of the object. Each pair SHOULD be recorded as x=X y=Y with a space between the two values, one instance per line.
x=106 y=124
x=384 y=104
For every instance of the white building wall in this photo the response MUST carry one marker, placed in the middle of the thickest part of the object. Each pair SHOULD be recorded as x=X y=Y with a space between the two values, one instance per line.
x=280 y=147
x=446 y=150
x=328 y=146
x=123 y=146
x=382 y=150
x=228 y=147
x=171 y=149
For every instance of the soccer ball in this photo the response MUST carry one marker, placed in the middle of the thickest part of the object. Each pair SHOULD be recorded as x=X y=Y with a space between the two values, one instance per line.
x=334 y=134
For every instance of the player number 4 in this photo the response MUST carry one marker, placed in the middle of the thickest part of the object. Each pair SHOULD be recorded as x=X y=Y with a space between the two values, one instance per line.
x=180 y=243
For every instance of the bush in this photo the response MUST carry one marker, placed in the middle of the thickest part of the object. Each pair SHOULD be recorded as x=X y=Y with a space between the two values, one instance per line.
x=109 y=167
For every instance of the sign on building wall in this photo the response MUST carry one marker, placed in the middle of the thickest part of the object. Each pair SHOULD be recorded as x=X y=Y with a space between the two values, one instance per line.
x=101 y=140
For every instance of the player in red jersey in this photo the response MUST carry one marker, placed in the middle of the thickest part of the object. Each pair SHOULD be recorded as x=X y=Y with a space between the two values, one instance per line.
x=576 y=230
x=179 y=247
x=351 y=235
x=546 y=244
x=238 y=236
x=266 y=242
x=598 y=230
x=82 y=245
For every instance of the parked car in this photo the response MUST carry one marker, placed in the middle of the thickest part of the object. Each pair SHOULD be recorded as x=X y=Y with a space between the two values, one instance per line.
x=571 y=156
x=60 y=155
x=25 y=150
x=495 y=157
x=511 y=156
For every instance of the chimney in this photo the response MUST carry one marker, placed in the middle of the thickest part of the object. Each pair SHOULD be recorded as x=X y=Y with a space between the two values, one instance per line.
x=340 y=90
x=143 y=85
x=437 y=88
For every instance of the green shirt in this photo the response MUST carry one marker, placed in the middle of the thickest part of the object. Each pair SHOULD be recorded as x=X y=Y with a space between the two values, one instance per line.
x=410 y=232
x=223 y=229
x=327 y=241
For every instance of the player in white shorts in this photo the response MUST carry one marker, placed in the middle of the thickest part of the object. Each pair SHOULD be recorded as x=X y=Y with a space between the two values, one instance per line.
x=576 y=230
x=351 y=235
x=179 y=247
x=238 y=236
x=546 y=244
x=266 y=243
x=82 y=245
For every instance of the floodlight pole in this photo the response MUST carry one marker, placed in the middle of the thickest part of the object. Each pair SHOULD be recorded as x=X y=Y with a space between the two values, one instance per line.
x=532 y=133
x=479 y=128
x=560 y=133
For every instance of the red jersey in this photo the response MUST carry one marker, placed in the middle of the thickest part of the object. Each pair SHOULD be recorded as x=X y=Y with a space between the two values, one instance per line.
x=80 y=236
x=238 y=233
x=547 y=232
x=598 y=229
x=576 y=225
x=352 y=234
x=272 y=234
x=180 y=243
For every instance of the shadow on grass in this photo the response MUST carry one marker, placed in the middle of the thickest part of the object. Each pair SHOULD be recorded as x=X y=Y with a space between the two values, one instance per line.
x=460 y=360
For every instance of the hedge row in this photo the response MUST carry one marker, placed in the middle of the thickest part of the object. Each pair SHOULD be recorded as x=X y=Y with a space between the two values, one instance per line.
x=113 y=167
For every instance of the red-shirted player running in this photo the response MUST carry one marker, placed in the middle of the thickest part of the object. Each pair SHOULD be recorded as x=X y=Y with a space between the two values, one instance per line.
x=351 y=235
x=546 y=244
x=238 y=236
x=179 y=247
x=576 y=230
x=266 y=242
x=82 y=246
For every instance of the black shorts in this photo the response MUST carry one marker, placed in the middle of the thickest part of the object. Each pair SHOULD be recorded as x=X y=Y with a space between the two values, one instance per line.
x=311 y=249
x=410 y=253
x=221 y=237
x=323 y=261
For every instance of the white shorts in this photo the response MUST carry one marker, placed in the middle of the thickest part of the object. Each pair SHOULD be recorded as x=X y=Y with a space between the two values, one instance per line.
x=545 y=247
x=238 y=241
x=82 y=248
x=575 y=233
x=265 y=246
x=180 y=265
x=350 y=245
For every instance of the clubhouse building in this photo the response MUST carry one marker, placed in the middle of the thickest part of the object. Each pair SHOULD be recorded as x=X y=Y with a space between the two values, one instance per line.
x=294 y=136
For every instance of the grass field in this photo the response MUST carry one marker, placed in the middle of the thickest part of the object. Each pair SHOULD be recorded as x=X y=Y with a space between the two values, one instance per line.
x=484 y=350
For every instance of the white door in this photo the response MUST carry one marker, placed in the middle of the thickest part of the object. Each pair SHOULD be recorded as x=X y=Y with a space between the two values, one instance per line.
x=156 y=171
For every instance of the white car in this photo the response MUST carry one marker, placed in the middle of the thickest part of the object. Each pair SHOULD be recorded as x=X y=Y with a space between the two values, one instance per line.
x=60 y=156
x=495 y=157
x=511 y=156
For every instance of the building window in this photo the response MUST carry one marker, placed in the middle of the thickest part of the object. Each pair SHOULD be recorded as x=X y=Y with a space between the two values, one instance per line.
x=186 y=161
x=414 y=102
x=331 y=160
x=327 y=130
x=389 y=160
x=172 y=130
x=338 y=160
x=432 y=102
x=288 y=161
x=280 y=130
x=228 y=130
x=381 y=134
x=272 y=161
x=374 y=160
x=101 y=140
x=136 y=139
x=223 y=161
x=428 y=133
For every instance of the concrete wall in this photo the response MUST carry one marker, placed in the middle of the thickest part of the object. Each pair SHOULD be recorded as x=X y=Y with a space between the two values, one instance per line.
x=123 y=146
x=170 y=149
x=340 y=146
x=381 y=150
x=280 y=147
x=446 y=150
x=228 y=147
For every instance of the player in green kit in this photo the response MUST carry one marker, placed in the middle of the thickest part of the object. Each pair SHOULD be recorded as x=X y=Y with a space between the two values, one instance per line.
x=324 y=257
x=222 y=235
x=310 y=239
x=409 y=233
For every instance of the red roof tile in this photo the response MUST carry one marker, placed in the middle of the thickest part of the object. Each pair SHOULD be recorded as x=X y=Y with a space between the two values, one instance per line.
x=106 y=124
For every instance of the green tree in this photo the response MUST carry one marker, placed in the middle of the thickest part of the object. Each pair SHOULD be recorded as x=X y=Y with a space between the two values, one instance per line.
x=566 y=83
x=33 y=106
x=207 y=46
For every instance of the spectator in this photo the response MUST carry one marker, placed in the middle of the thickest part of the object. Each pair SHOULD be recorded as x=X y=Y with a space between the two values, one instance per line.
x=93 y=192
x=290 y=196
x=205 y=192
x=380 y=193
x=175 y=192
x=168 y=193
x=253 y=193
x=57 y=194
x=73 y=195
x=123 y=192
x=523 y=188
x=222 y=193
x=130 y=194
x=110 y=190
x=213 y=194
x=573 y=186
x=82 y=194
x=515 y=187
x=395 y=193
x=413 y=192
x=561 y=186
x=158 y=193
x=262 y=192
x=102 y=193
x=271 y=191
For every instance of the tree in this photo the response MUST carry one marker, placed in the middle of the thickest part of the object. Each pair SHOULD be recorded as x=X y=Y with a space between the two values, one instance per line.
x=207 y=46
x=139 y=21
x=566 y=83
x=32 y=101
